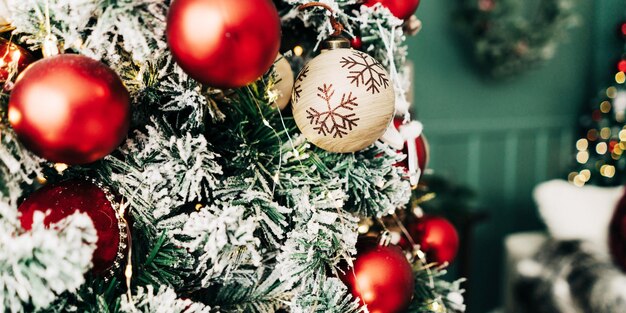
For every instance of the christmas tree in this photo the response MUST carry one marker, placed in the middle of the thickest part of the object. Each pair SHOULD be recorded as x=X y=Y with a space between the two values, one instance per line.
x=148 y=162
x=600 y=149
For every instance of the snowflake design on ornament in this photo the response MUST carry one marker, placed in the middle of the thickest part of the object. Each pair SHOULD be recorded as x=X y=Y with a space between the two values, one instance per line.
x=333 y=122
x=365 y=70
x=298 y=87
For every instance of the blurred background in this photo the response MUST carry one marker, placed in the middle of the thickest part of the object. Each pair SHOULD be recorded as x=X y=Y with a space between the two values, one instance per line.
x=501 y=137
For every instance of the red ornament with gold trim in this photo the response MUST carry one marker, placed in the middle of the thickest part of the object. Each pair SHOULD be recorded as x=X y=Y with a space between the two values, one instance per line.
x=63 y=199
x=382 y=277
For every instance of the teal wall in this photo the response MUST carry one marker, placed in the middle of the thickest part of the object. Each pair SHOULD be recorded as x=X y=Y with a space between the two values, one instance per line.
x=503 y=137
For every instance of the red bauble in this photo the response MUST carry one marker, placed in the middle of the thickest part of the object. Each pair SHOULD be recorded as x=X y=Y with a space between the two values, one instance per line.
x=401 y=9
x=617 y=234
x=437 y=238
x=65 y=198
x=224 y=43
x=622 y=29
x=621 y=66
x=12 y=55
x=422 y=149
x=70 y=109
x=382 y=277
x=356 y=43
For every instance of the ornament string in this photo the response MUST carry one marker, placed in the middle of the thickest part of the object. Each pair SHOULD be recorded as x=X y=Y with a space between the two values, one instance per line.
x=47 y=19
x=336 y=25
x=49 y=46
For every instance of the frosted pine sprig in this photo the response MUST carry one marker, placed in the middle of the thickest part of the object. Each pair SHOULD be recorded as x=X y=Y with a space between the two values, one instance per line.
x=38 y=265
x=163 y=300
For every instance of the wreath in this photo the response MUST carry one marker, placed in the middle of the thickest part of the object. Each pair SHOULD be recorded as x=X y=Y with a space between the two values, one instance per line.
x=509 y=37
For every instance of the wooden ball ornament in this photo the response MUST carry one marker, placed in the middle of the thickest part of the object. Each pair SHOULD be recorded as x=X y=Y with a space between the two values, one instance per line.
x=284 y=85
x=343 y=100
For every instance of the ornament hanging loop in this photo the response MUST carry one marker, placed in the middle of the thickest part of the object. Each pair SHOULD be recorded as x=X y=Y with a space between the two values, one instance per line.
x=384 y=239
x=50 y=45
x=337 y=26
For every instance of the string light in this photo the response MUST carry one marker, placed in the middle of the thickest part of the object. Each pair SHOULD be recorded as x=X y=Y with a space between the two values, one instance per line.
x=60 y=167
x=620 y=77
x=42 y=180
x=579 y=181
x=601 y=148
x=605 y=133
x=582 y=144
x=298 y=50
x=586 y=175
x=582 y=157
x=571 y=176
x=607 y=171
x=611 y=92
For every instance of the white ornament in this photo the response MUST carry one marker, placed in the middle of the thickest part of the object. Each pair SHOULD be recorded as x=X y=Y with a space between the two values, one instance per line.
x=343 y=99
x=283 y=88
x=4 y=13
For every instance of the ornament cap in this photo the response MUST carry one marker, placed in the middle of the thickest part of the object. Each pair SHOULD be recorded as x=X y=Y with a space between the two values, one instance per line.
x=336 y=42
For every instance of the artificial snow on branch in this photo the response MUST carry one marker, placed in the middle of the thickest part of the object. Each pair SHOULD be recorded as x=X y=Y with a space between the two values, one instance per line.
x=162 y=300
x=39 y=265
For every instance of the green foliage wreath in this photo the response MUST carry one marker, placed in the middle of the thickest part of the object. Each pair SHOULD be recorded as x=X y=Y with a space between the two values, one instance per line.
x=511 y=36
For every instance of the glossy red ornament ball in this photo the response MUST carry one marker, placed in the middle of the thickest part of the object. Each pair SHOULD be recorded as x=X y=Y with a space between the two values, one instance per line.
x=437 y=238
x=382 y=277
x=65 y=198
x=422 y=149
x=623 y=29
x=224 y=43
x=70 y=109
x=621 y=66
x=356 y=43
x=402 y=9
x=617 y=234
x=12 y=55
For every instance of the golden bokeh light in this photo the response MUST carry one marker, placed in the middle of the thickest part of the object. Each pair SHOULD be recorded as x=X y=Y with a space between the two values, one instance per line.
x=582 y=144
x=607 y=171
x=586 y=174
x=620 y=77
x=605 y=133
x=298 y=50
x=611 y=92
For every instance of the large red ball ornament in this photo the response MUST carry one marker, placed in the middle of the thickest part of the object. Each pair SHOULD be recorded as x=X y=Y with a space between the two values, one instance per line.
x=436 y=236
x=617 y=234
x=402 y=9
x=382 y=277
x=224 y=43
x=70 y=109
x=63 y=199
